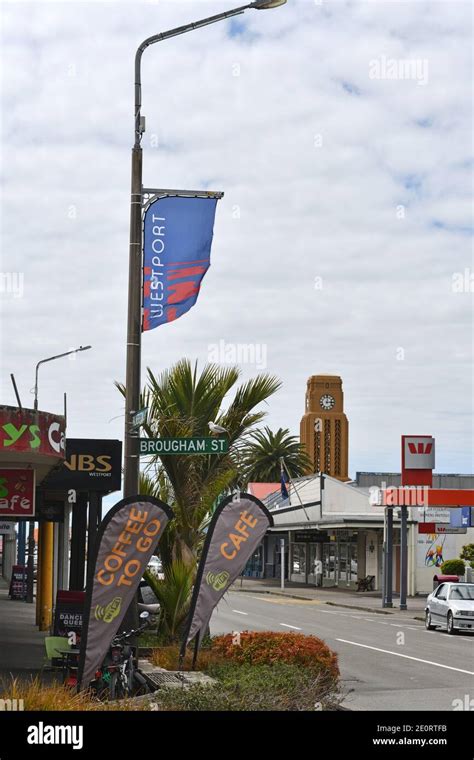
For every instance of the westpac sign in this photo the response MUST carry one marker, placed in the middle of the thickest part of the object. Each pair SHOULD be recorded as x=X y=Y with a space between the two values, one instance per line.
x=418 y=452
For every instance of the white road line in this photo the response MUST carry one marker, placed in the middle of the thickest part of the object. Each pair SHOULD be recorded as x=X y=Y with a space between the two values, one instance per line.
x=239 y=612
x=407 y=657
x=456 y=638
x=295 y=628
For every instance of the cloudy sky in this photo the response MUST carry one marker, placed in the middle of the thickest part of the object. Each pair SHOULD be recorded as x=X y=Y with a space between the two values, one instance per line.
x=340 y=133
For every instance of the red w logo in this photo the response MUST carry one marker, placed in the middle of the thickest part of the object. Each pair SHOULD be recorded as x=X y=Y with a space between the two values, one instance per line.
x=423 y=448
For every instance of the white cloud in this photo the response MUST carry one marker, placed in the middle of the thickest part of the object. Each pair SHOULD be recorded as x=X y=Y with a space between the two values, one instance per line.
x=317 y=155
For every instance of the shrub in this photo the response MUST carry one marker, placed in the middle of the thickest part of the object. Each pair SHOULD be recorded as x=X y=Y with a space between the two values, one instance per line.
x=453 y=567
x=266 y=647
x=263 y=687
x=467 y=553
x=168 y=657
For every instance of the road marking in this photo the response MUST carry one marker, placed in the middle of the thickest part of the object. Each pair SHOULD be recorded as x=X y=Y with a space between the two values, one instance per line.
x=456 y=638
x=239 y=612
x=407 y=657
x=287 y=600
x=291 y=626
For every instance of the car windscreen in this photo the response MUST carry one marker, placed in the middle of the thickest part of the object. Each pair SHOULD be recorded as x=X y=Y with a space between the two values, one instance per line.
x=462 y=592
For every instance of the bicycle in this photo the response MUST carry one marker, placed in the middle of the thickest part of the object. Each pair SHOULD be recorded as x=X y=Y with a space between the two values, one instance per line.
x=119 y=676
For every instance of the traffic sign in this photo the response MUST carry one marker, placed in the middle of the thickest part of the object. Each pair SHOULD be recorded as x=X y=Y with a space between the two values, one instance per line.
x=176 y=446
x=139 y=418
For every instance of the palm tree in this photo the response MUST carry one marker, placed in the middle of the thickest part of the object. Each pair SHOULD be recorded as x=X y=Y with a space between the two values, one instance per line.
x=263 y=451
x=181 y=403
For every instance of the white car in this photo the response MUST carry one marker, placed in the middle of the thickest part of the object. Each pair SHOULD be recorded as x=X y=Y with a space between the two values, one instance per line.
x=451 y=606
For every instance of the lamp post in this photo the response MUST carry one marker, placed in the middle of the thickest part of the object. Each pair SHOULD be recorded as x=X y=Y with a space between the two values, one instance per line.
x=50 y=359
x=132 y=381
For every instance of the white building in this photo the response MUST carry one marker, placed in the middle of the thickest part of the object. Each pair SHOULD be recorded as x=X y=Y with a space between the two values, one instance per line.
x=334 y=522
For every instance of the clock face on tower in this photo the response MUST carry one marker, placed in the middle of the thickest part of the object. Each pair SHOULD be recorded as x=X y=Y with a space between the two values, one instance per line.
x=326 y=402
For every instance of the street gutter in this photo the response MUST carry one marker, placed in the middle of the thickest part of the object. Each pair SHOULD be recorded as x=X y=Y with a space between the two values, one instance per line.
x=318 y=601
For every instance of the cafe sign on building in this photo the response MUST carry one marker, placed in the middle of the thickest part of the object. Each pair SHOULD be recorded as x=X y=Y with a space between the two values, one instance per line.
x=17 y=490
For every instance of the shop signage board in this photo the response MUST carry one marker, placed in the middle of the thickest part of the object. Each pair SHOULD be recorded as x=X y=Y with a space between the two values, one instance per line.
x=30 y=432
x=443 y=528
x=17 y=492
x=68 y=613
x=310 y=537
x=90 y=465
x=177 y=446
x=18 y=584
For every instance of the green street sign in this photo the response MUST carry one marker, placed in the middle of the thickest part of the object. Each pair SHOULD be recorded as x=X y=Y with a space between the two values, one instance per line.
x=175 y=446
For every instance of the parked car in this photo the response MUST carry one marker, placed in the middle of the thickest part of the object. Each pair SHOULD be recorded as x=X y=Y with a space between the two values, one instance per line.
x=451 y=606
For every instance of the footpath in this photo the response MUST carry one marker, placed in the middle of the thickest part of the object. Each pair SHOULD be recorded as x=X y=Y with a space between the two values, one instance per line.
x=22 y=650
x=368 y=601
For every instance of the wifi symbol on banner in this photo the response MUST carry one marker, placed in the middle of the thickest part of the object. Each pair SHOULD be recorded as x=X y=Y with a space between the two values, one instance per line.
x=99 y=612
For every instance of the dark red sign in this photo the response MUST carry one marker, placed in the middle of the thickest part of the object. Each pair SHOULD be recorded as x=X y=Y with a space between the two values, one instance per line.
x=18 y=582
x=31 y=432
x=68 y=614
x=17 y=492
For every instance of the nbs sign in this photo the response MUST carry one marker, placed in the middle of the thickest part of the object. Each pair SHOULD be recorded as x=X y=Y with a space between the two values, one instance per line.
x=90 y=465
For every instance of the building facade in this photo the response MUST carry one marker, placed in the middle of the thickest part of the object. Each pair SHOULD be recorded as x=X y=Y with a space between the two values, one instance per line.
x=333 y=522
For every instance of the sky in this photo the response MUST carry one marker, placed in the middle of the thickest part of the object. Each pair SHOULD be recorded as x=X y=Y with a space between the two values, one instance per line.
x=341 y=135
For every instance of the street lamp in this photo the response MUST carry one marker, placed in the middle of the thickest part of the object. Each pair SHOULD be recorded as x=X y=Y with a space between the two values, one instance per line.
x=50 y=359
x=132 y=380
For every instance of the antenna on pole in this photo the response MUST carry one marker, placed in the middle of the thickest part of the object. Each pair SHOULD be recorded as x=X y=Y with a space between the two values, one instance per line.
x=16 y=391
x=283 y=466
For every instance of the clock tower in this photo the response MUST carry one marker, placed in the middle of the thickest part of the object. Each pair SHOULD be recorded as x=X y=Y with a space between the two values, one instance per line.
x=324 y=429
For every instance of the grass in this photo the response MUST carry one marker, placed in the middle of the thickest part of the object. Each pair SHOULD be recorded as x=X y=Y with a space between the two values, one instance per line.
x=38 y=696
x=243 y=687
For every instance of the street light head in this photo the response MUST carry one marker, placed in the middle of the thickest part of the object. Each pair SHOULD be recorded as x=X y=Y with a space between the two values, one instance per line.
x=262 y=5
x=84 y=348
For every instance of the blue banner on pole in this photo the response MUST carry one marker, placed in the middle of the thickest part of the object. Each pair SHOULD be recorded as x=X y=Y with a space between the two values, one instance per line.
x=177 y=241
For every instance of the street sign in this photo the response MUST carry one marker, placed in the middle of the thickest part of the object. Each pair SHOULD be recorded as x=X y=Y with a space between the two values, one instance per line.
x=175 y=446
x=7 y=528
x=444 y=528
x=140 y=417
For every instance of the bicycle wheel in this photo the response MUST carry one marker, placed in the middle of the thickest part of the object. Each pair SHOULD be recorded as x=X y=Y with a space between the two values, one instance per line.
x=116 y=686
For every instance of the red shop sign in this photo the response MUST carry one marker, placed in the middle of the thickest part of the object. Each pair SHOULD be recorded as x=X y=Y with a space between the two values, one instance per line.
x=17 y=492
x=31 y=432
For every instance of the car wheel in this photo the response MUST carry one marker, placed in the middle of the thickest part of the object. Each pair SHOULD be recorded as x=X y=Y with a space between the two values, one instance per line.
x=428 y=624
x=450 y=624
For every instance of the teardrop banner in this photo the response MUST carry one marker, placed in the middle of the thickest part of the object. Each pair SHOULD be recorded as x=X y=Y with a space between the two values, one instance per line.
x=236 y=529
x=126 y=539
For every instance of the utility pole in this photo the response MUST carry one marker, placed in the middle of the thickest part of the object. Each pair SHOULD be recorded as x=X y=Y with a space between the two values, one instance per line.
x=134 y=317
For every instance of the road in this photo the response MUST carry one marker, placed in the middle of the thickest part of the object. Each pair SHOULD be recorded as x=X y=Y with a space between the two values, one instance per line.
x=387 y=662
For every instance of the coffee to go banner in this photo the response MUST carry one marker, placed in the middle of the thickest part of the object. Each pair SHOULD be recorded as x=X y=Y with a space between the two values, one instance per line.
x=237 y=528
x=126 y=540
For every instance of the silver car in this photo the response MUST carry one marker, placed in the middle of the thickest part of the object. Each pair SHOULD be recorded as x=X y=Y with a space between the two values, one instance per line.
x=451 y=606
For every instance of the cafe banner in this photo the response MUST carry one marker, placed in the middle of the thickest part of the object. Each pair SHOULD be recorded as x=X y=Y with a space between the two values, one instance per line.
x=237 y=528
x=126 y=540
